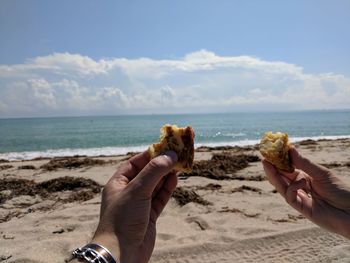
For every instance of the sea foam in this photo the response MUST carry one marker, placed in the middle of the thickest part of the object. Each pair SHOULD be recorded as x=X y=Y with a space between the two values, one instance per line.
x=110 y=151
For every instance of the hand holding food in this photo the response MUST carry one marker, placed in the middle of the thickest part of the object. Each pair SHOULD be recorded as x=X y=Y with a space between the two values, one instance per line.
x=179 y=140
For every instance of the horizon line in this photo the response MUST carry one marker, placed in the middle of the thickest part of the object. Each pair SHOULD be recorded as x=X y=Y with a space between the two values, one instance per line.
x=184 y=113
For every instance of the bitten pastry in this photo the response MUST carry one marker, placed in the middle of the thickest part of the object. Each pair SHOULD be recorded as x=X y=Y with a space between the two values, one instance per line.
x=274 y=147
x=179 y=140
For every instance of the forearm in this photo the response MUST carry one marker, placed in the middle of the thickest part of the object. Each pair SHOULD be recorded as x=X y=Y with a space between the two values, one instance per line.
x=345 y=227
x=336 y=221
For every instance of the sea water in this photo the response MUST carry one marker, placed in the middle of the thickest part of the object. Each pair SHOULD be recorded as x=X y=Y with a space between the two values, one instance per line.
x=23 y=139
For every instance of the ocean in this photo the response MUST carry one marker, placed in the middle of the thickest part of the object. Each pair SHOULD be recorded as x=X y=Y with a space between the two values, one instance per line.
x=29 y=138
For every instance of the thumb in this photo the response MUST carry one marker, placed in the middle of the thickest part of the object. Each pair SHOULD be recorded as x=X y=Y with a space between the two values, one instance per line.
x=302 y=163
x=147 y=180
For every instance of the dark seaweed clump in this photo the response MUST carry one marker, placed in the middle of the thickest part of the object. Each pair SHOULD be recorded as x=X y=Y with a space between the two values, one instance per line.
x=82 y=189
x=183 y=197
x=26 y=167
x=5 y=167
x=71 y=162
x=223 y=166
x=336 y=165
x=307 y=142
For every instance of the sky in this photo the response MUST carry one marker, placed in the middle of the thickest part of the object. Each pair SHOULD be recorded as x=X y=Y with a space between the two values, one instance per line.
x=71 y=58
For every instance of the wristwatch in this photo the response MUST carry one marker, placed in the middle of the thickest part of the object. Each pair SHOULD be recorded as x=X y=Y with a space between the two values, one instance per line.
x=94 y=253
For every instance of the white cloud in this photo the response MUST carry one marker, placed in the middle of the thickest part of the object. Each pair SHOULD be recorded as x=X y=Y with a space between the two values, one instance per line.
x=65 y=62
x=201 y=81
x=43 y=91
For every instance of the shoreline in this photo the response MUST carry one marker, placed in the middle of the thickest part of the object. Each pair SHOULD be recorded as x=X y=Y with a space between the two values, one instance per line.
x=120 y=151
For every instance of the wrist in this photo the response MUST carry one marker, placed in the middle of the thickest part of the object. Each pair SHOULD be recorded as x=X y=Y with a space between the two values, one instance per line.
x=111 y=242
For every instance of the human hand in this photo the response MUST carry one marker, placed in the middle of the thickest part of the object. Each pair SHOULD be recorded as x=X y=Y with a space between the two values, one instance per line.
x=315 y=192
x=132 y=201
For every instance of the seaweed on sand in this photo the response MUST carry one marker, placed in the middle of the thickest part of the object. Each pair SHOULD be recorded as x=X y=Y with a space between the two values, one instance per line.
x=69 y=183
x=26 y=167
x=243 y=188
x=71 y=162
x=223 y=166
x=211 y=187
x=307 y=142
x=5 y=167
x=78 y=185
x=183 y=197
x=81 y=189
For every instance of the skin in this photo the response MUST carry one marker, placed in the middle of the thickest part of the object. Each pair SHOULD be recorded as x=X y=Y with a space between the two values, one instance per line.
x=132 y=201
x=137 y=193
x=315 y=192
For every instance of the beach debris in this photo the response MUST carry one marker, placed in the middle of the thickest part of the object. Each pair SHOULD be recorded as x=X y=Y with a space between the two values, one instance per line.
x=62 y=230
x=222 y=166
x=4 y=161
x=306 y=142
x=257 y=178
x=202 y=224
x=4 y=236
x=5 y=257
x=82 y=188
x=210 y=186
x=225 y=209
x=71 y=162
x=335 y=164
x=59 y=231
x=237 y=149
x=183 y=197
x=290 y=219
x=69 y=183
x=10 y=215
x=26 y=167
x=18 y=187
x=59 y=190
x=243 y=188
x=5 y=167
x=80 y=196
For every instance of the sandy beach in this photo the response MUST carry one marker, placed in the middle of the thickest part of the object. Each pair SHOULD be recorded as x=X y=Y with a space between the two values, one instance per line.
x=224 y=211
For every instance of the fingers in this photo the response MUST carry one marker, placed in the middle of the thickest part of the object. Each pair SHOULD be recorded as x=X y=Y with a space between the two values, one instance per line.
x=133 y=166
x=159 y=186
x=163 y=196
x=291 y=176
x=148 y=178
x=297 y=198
x=306 y=165
x=275 y=178
x=292 y=191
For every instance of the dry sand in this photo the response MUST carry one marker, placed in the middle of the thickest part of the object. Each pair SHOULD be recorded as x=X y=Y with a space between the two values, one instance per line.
x=225 y=211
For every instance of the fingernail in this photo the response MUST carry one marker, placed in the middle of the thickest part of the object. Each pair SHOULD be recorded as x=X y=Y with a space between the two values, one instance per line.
x=172 y=155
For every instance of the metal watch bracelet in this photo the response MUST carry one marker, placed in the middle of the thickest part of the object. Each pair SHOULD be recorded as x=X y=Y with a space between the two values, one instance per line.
x=94 y=253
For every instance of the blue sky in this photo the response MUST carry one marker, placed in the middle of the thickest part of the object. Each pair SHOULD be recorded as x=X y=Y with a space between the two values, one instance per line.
x=95 y=49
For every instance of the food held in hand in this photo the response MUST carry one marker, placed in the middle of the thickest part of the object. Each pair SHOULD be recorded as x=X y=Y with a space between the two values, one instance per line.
x=275 y=148
x=179 y=140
